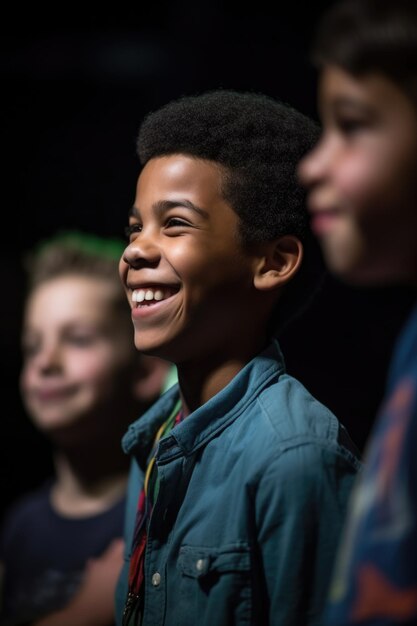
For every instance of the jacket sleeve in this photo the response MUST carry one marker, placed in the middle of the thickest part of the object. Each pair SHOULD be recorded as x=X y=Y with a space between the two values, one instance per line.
x=301 y=504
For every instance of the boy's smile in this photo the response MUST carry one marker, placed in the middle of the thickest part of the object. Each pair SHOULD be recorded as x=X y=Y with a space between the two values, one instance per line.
x=362 y=177
x=187 y=278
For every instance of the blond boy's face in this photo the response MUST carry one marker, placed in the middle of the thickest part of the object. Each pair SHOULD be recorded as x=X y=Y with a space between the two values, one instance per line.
x=362 y=178
x=77 y=354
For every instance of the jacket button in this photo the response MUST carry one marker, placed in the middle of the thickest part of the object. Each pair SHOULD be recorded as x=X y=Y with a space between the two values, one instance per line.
x=200 y=565
x=156 y=579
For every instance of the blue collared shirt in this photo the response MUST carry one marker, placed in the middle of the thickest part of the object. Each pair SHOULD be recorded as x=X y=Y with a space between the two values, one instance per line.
x=253 y=492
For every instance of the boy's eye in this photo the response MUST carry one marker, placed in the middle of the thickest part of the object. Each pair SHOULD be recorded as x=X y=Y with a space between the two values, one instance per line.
x=350 y=126
x=170 y=222
x=131 y=229
x=175 y=221
x=29 y=350
x=80 y=340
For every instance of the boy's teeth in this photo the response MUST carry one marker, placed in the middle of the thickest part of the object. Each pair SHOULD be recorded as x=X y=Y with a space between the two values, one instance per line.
x=139 y=295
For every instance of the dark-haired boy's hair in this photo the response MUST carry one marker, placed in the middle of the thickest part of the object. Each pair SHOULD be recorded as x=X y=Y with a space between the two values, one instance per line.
x=371 y=36
x=258 y=142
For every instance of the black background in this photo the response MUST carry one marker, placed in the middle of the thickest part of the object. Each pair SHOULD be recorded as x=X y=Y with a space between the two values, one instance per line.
x=75 y=83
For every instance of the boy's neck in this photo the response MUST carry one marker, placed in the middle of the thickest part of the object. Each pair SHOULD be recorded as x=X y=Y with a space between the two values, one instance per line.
x=71 y=497
x=198 y=384
x=76 y=495
x=88 y=482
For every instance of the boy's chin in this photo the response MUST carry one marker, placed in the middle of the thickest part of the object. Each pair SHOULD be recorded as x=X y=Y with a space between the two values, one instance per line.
x=344 y=260
x=63 y=429
x=369 y=275
x=148 y=347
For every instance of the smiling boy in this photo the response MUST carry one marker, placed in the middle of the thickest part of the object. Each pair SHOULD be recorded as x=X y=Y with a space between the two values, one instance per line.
x=362 y=182
x=82 y=383
x=241 y=493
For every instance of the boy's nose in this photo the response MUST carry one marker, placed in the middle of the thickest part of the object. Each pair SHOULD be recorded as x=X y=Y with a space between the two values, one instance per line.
x=318 y=164
x=309 y=168
x=142 y=251
x=49 y=358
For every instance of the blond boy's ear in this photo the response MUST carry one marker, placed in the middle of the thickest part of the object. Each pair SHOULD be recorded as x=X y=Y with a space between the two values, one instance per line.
x=150 y=378
x=279 y=262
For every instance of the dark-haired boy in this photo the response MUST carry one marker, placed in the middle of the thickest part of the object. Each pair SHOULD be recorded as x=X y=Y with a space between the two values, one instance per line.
x=242 y=505
x=362 y=181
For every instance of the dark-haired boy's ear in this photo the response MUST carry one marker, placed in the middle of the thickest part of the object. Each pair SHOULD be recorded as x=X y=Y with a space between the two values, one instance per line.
x=280 y=262
x=150 y=377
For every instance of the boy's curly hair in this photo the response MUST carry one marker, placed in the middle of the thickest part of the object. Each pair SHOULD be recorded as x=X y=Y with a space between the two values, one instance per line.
x=258 y=142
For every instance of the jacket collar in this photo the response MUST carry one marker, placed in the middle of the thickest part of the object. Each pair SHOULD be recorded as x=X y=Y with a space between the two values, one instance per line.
x=209 y=419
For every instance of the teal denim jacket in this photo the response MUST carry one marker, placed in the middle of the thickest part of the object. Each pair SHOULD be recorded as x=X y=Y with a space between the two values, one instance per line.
x=253 y=493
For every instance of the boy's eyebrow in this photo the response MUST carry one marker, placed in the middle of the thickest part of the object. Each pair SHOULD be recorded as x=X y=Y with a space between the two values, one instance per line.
x=133 y=212
x=345 y=102
x=162 y=206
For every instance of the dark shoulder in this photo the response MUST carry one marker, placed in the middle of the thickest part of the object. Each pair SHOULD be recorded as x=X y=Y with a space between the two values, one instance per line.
x=27 y=507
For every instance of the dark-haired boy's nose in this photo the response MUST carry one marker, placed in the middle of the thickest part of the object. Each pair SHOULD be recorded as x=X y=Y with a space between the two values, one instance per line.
x=143 y=250
x=317 y=164
x=309 y=168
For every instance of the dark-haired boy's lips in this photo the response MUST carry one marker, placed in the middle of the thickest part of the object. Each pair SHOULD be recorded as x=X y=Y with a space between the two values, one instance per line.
x=151 y=284
x=324 y=220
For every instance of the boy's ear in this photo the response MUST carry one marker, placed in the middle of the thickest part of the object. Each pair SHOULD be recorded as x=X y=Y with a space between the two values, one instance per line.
x=279 y=262
x=149 y=378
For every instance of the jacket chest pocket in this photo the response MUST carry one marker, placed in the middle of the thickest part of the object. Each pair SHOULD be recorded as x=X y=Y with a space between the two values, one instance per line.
x=215 y=585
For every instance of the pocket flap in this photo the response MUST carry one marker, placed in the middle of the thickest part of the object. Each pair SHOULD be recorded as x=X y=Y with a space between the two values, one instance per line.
x=198 y=562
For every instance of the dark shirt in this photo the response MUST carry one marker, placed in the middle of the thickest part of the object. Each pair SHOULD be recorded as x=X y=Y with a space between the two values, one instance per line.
x=44 y=554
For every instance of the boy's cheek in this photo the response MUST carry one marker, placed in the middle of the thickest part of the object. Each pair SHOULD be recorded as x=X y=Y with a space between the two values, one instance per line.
x=358 y=185
x=24 y=380
x=123 y=268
